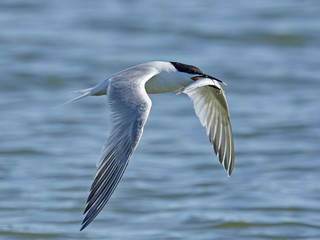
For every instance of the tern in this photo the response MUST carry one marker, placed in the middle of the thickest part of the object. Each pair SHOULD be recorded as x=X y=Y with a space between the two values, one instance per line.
x=127 y=93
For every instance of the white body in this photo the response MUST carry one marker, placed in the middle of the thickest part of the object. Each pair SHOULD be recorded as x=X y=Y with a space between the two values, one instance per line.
x=164 y=78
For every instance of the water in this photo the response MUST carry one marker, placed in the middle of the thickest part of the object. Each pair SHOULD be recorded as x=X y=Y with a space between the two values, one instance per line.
x=174 y=187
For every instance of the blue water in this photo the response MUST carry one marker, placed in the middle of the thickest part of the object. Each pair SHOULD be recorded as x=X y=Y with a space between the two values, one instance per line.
x=174 y=187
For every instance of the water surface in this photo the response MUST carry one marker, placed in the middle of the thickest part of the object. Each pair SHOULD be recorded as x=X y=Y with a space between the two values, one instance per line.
x=174 y=187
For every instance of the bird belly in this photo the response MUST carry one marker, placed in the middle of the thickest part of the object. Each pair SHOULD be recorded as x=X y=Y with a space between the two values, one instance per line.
x=166 y=82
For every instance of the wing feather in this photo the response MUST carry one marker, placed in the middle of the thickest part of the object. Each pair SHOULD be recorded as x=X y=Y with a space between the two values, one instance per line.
x=130 y=106
x=211 y=107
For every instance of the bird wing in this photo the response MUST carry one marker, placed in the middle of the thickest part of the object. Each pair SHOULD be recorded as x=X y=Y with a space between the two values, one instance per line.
x=130 y=106
x=211 y=107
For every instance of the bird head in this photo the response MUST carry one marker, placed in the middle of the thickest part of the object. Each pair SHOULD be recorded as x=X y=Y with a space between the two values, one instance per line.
x=193 y=71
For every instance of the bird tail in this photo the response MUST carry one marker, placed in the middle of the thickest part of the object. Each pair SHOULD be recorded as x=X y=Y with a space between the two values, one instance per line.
x=84 y=93
x=100 y=89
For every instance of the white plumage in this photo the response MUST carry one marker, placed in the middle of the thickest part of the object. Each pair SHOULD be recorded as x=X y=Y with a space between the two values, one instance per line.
x=130 y=105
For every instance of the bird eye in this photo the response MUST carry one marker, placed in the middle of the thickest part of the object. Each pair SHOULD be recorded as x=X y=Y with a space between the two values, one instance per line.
x=195 y=78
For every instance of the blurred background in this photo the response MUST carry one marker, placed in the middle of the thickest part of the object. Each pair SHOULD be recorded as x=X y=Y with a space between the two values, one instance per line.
x=174 y=187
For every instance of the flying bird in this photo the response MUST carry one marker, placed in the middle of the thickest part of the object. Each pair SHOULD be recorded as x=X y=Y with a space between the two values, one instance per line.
x=130 y=105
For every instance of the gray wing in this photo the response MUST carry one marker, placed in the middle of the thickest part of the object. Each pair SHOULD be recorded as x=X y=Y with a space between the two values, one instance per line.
x=211 y=107
x=130 y=106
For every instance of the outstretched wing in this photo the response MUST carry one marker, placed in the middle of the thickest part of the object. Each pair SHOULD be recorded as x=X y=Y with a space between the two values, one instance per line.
x=211 y=107
x=130 y=106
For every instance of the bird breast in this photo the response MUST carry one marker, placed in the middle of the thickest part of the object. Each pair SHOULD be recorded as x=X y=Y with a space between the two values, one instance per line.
x=165 y=82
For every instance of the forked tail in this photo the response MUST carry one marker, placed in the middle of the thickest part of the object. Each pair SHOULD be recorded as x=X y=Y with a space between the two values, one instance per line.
x=100 y=89
x=84 y=93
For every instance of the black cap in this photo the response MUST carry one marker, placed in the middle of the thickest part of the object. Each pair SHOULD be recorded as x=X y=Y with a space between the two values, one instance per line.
x=181 y=67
